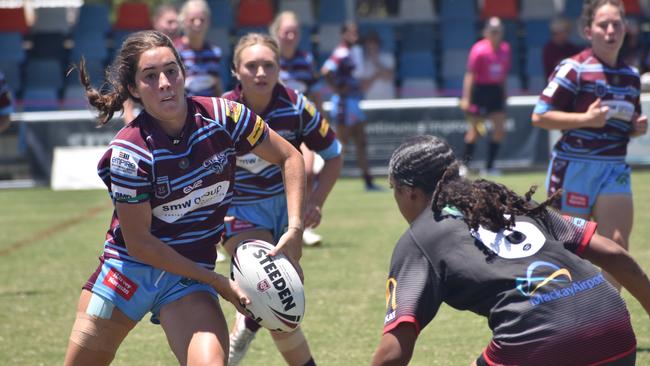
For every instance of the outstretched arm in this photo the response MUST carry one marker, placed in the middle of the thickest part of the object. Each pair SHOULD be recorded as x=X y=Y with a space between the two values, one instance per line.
x=396 y=346
x=619 y=263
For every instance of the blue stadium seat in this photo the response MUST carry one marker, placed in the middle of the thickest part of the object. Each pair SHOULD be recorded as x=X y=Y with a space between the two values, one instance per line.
x=329 y=36
x=457 y=33
x=454 y=66
x=332 y=11
x=48 y=46
x=93 y=18
x=458 y=9
x=537 y=32
x=418 y=88
x=222 y=13
x=534 y=64
x=51 y=19
x=90 y=45
x=416 y=64
x=12 y=73
x=416 y=10
x=385 y=32
x=43 y=74
x=40 y=99
x=572 y=8
x=119 y=36
x=11 y=44
x=417 y=36
x=74 y=97
x=306 y=38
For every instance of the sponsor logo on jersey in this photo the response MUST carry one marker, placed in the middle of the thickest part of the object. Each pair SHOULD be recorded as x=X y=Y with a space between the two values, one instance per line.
x=233 y=110
x=546 y=282
x=619 y=109
x=122 y=194
x=309 y=107
x=600 y=89
x=121 y=284
x=216 y=162
x=324 y=127
x=257 y=132
x=193 y=186
x=124 y=164
x=252 y=163
x=550 y=89
x=162 y=189
x=391 y=299
x=171 y=211
x=577 y=200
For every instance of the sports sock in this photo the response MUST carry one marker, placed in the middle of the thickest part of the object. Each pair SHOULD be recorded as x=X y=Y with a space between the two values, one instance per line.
x=468 y=154
x=311 y=362
x=252 y=325
x=493 y=149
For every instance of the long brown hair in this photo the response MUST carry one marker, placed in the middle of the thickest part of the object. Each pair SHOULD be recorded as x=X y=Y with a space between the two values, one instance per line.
x=428 y=163
x=121 y=73
x=590 y=7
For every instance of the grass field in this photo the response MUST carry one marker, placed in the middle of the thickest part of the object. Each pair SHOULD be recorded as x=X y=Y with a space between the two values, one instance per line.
x=49 y=243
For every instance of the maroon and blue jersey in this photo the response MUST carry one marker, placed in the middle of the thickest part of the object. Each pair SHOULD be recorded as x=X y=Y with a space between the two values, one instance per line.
x=298 y=72
x=342 y=65
x=188 y=181
x=297 y=120
x=6 y=101
x=574 y=85
x=200 y=68
x=544 y=304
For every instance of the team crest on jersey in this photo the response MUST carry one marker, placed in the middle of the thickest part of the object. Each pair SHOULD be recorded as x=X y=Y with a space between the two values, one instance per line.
x=233 y=110
x=600 y=89
x=162 y=188
x=216 y=163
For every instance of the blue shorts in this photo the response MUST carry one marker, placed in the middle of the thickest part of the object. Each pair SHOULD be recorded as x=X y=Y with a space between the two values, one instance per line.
x=346 y=111
x=269 y=214
x=136 y=288
x=583 y=181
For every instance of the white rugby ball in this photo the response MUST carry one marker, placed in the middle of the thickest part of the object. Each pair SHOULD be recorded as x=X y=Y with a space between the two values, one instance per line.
x=271 y=283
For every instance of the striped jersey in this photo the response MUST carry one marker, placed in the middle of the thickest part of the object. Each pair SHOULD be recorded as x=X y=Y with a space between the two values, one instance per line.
x=297 y=120
x=199 y=66
x=298 y=72
x=188 y=181
x=544 y=304
x=6 y=101
x=574 y=85
x=342 y=63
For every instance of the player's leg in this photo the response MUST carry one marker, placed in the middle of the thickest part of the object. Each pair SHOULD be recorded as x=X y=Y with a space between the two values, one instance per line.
x=358 y=135
x=498 y=134
x=294 y=347
x=196 y=329
x=98 y=330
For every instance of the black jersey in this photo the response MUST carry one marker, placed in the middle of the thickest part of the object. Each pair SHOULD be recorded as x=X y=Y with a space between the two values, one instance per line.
x=544 y=304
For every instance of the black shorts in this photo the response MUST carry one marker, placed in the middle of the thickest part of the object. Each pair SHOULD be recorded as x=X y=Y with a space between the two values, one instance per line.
x=487 y=99
x=629 y=360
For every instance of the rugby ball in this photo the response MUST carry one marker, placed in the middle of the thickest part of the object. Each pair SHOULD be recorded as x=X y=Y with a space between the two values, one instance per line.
x=271 y=283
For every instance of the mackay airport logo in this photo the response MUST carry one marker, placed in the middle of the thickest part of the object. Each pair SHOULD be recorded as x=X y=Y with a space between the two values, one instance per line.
x=546 y=282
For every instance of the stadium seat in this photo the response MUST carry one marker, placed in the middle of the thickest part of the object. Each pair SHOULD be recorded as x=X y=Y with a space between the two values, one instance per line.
x=302 y=8
x=513 y=85
x=222 y=13
x=13 y=20
x=132 y=16
x=536 y=9
x=458 y=9
x=416 y=65
x=385 y=32
x=74 y=97
x=51 y=20
x=48 y=46
x=93 y=18
x=416 y=10
x=43 y=74
x=40 y=99
x=90 y=45
x=12 y=72
x=457 y=33
x=11 y=44
x=254 y=13
x=119 y=36
x=504 y=9
x=418 y=88
x=417 y=36
x=534 y=63
x=96 y=71
x=454 y=62
x=332 y=11
x=572 y=8
x=536 y=32
x=329 y=36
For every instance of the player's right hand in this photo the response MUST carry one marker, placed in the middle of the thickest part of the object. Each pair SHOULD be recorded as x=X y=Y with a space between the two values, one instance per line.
x=596 y=114
x=464 y=105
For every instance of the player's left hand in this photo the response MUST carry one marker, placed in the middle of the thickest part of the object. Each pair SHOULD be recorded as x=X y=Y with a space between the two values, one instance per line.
x=312 y=215
x=290 y=244
x=639 y=126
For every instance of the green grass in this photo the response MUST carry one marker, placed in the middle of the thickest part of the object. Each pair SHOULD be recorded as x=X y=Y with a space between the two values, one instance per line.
x=42 y=270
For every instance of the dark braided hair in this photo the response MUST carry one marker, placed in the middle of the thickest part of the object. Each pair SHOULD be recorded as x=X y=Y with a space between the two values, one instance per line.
x=428 y=163
x=121 y=73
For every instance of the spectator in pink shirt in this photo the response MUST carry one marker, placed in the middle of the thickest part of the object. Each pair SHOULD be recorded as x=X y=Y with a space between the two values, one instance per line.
x=484 y=94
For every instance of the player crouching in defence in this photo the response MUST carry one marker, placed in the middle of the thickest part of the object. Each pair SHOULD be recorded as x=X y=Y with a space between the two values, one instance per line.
x=478 y=246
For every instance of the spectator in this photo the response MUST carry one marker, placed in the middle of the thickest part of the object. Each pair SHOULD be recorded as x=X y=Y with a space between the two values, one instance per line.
x=484 y=92
x=340 y=71
x=6 y=104
x=202 y=60
x=378 y=70
x=559 y=46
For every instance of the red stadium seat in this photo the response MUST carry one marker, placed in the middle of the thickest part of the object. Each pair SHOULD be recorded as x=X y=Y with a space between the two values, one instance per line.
x=13 y=20
x=132 y=16
x=632 y=7
x=254 y=13
x=504 y=9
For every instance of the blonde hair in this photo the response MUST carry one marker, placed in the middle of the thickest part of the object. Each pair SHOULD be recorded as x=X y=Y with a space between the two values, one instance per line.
x=202 y=4
x=275 y=26
x=252 y=39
